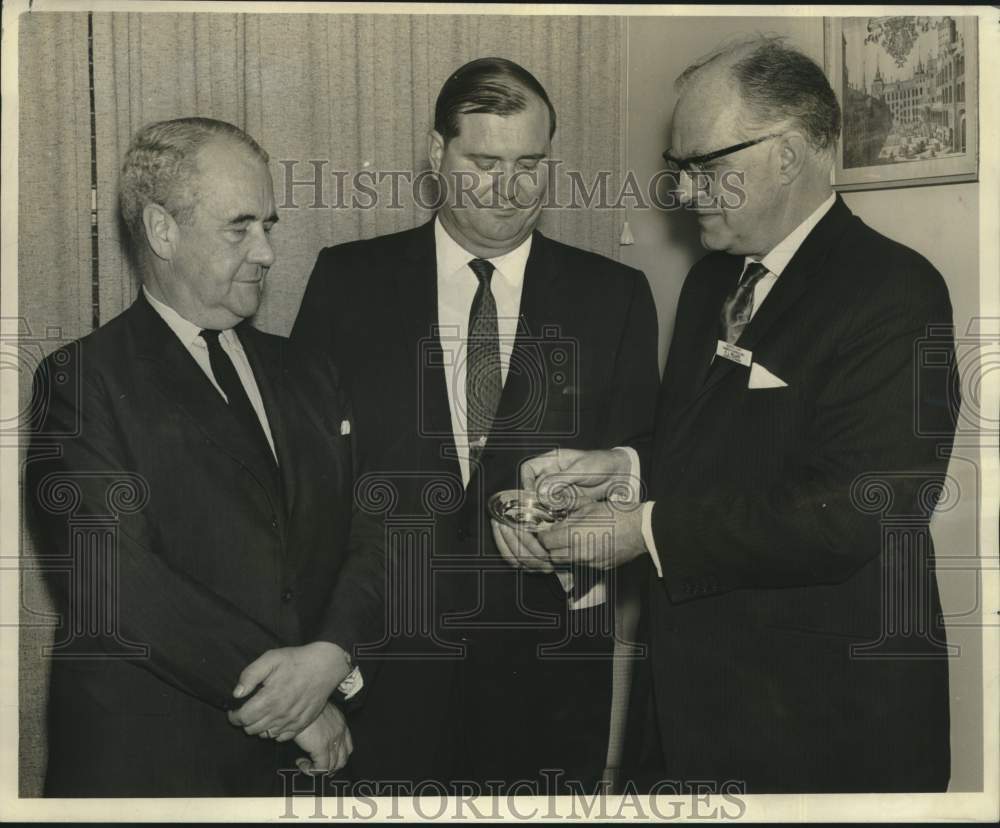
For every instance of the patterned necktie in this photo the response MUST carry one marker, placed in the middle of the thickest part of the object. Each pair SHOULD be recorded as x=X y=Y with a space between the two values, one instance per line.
x=229 y=381
x=482 y=363
x=738 y=307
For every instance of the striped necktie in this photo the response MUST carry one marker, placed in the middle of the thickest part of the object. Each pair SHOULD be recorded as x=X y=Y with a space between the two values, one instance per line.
x=482 y=376
x=738 y=307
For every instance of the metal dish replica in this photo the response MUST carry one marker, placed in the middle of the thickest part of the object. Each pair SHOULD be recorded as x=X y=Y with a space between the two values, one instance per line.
x=523 y=509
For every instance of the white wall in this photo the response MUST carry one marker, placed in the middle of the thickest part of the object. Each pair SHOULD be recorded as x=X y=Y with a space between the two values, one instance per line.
x=940 y=222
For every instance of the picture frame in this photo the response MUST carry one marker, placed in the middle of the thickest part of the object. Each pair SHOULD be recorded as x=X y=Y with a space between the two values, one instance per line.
x=908 y=87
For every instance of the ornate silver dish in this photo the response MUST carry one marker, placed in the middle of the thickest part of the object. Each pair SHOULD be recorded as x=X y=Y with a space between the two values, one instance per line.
x=522 y=509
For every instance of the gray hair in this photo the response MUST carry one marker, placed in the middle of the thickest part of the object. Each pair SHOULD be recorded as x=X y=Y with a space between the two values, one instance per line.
x=160 y=168
x=778 y=83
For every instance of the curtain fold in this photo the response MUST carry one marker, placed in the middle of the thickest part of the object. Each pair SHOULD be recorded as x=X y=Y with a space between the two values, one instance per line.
x=54 y=246
x=55 y=292
x=151 y=67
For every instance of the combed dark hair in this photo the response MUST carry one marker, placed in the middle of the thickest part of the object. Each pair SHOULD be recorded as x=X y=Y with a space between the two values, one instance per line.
x=159 y=168
x=492 y=86
x=776 y=83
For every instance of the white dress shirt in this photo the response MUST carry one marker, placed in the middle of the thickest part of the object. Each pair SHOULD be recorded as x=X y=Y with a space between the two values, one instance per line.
x=456 y=289
x=775 y=262
x=190 y=336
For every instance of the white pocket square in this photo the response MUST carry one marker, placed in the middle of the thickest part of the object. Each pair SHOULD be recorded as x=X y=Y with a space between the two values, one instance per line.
x=760 y=377
x=345 y=427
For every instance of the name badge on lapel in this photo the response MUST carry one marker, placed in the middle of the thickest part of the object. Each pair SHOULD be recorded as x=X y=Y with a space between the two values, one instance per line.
x=740 y=356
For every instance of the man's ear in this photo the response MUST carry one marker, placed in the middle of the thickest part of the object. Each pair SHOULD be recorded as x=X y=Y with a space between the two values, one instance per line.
x=161 y=230
x=793 y=151
x=435 y=149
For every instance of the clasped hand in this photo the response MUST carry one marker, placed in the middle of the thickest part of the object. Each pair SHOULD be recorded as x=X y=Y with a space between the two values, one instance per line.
x=588 y=480
x=296 y=683
x=327 y=741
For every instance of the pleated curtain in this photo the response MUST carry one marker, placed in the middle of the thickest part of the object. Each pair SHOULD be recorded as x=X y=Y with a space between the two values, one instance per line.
x=353 y=92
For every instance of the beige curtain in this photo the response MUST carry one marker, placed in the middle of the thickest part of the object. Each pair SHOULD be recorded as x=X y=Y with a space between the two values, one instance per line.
x=151 y=67
x=54 y=244
x=55 y=286
x=353 y=91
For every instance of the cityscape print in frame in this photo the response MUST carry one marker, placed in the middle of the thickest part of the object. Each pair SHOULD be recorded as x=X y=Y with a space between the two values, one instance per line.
x=908 y=90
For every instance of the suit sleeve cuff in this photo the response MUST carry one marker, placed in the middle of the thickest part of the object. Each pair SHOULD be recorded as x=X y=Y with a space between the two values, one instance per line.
x=647 y=535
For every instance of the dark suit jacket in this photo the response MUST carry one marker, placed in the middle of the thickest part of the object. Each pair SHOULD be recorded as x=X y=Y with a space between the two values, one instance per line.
x=211 y=559
x=583 y=373
x=797 y=638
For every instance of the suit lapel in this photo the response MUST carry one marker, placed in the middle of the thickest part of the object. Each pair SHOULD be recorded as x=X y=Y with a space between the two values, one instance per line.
x=808 y=263
x=416 y=288
x=173 y=370
x=801 y=273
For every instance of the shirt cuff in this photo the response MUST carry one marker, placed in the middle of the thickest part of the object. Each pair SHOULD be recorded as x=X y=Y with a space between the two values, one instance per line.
x=594 y=597
x=566 y=579
x=647 y=535
x=351 y=685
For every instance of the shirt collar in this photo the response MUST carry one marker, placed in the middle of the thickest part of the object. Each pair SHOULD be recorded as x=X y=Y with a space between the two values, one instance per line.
x=781 y=254
x=185 y=330
x=452 y=258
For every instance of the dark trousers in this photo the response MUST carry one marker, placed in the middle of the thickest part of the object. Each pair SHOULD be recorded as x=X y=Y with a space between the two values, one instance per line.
x=535 y=705
x=522 y=711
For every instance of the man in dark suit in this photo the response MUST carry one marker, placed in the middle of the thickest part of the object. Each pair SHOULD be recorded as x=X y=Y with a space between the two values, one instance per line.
x=468 y=344
x=220 y=471
x=796 y=632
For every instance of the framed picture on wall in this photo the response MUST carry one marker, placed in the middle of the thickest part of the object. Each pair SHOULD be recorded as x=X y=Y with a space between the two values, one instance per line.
x=908 y=89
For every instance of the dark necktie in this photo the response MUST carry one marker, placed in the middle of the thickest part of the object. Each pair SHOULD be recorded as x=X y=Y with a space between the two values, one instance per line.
x=229 y=381
x=482 y=363
x=738 y=307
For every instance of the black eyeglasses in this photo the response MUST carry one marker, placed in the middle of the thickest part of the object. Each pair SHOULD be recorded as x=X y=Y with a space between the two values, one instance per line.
x=693 y=163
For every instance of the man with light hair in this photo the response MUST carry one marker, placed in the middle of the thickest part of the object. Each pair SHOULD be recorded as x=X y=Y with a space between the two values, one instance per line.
x=796 y=646
x=205 y=643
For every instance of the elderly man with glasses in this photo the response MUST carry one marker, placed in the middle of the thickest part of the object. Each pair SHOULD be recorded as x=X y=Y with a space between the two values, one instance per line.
x=796 y=635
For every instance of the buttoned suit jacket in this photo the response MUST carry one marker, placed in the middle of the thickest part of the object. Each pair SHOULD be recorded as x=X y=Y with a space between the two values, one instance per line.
x=583 y=373
x=797 y=639
x=213 y=557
